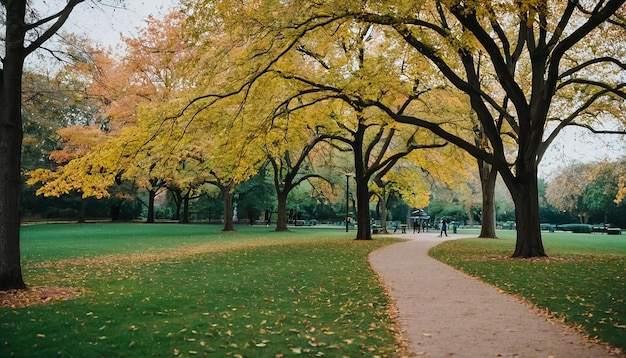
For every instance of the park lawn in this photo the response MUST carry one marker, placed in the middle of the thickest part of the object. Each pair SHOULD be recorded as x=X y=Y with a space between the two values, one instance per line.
x=582 y=282
x=172 y=290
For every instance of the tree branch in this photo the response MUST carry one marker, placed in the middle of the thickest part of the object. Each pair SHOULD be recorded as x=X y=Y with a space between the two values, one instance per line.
x=60 y=17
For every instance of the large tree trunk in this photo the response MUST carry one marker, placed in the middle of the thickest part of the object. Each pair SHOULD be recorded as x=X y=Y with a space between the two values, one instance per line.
x=229 y=224
x=11 y=146
x=185 y=218
x=281 y=222
x=362 y=210
x=526 y=198
x=151 y=197
x=488 y=177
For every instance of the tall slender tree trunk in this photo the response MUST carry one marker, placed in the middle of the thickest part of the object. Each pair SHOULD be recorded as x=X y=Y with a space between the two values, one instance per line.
x=229 y=225
x=488 y=177
x=383 y=213
x=11 y=146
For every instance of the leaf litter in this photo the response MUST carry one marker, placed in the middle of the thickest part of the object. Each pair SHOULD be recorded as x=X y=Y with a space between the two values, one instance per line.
x=37 y=295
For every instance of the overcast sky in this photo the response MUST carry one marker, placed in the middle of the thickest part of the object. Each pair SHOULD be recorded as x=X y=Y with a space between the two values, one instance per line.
x=105 y=24
x=582 y=146
x=104 y=21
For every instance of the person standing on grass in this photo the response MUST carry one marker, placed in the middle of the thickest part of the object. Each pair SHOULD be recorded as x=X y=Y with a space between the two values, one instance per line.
x=443 y=228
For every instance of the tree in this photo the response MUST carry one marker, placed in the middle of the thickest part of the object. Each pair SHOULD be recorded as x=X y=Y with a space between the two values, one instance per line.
x=565 y=191
x=377 y=145
x=528 y=69
x=232 y=159
x=84 y=173
x=405 y=181
x=549 y=36
x=599 y=195
x=290 y=172
x=256 y=196
x=488 y=175
x=587 y=190
x=292 y=147
x=621 y=185
x=22 y=37
x=51 y=101
x=151 y=73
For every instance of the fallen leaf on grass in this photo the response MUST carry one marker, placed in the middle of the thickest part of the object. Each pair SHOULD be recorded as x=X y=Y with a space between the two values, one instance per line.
x=36 y=295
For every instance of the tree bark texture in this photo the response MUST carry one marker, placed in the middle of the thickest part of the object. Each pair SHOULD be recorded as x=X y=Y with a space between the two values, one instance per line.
x=362 y=210
x=526 y=199
x=488 y=177
x=151 y=197
x=185 y=217
x=229 y=225
x=383 y=213
x=11 y=146
x=281 y=221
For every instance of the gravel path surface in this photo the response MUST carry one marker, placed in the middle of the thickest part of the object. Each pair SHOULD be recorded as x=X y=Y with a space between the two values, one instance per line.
x=445 y=313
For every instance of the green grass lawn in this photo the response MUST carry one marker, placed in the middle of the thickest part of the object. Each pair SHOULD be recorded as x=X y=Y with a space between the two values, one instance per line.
x=583 y=282
x=192 y=290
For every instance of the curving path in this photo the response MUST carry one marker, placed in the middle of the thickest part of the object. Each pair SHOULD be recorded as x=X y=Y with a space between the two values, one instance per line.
x=445 y=313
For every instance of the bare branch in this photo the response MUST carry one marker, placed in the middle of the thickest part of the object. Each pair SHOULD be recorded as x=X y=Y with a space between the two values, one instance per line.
x=60 y=17
x=591 y=62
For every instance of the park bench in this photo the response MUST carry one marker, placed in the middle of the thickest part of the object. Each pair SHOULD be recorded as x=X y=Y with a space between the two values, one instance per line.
x=613 y=231
x=600 y=229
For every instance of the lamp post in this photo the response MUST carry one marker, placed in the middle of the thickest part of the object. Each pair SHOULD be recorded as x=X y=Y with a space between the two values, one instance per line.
x=347 y=199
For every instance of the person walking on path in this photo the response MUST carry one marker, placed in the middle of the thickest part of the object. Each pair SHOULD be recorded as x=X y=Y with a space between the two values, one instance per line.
x=441 y=312
x=443 y=225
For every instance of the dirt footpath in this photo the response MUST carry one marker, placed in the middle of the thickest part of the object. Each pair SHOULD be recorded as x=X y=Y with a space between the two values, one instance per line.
x=445 y=313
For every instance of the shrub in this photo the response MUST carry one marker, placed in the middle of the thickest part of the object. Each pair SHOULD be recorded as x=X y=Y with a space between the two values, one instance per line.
x=578 y=228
